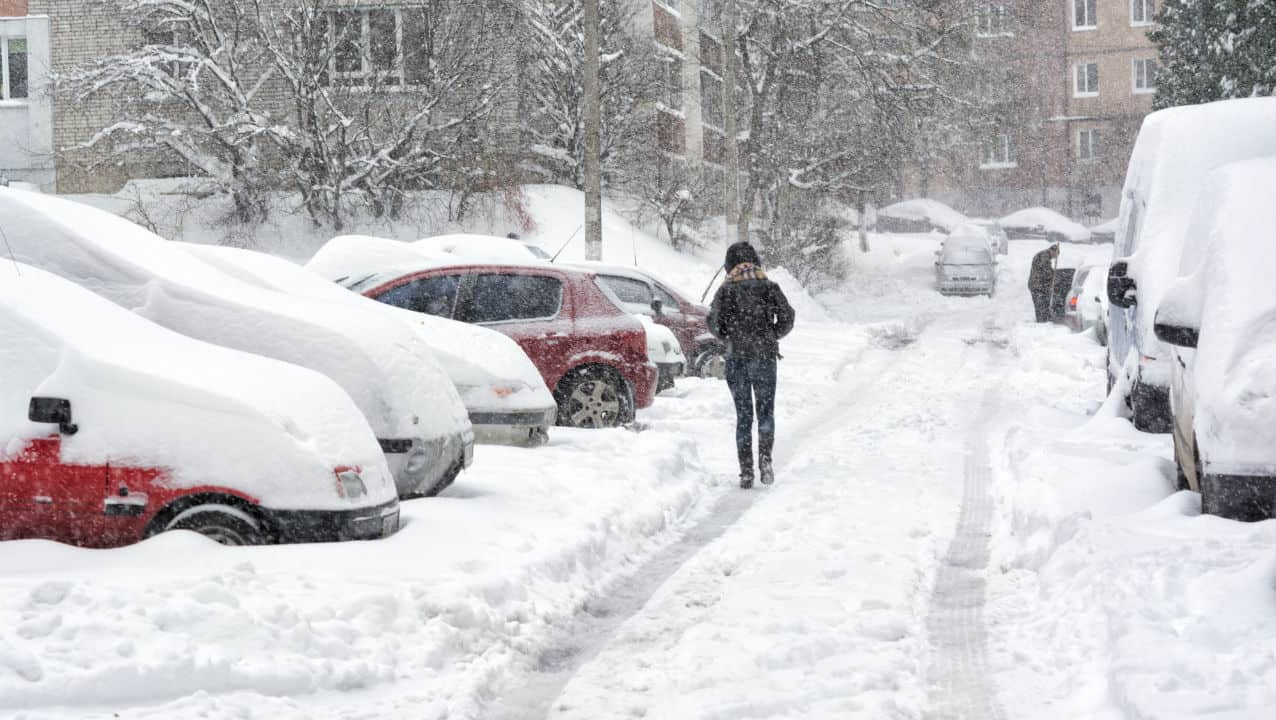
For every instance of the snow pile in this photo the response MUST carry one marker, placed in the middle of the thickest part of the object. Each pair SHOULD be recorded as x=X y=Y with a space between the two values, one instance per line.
x=387 y=371
x=144 y=395
x=1230 y=262
x=1047 y=222
x=924 y=212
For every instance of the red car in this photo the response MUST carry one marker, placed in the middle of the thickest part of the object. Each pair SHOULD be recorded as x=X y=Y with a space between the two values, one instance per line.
x=589 y=351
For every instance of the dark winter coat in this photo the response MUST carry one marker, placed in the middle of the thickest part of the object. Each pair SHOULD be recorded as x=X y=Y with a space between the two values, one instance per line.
x=1041 y=278
x=750 y=313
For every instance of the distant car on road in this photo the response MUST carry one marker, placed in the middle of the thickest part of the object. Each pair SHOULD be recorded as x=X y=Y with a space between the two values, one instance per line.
x=1219 y=320
x=965 y=264
x=113 y=429
x=998 y=240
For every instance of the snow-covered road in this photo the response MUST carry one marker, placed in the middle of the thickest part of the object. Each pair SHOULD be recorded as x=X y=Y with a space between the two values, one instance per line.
x=951 y=536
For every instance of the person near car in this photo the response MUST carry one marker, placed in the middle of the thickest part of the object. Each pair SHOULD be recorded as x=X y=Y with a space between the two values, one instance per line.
x=749 y=315
x=1041 y=281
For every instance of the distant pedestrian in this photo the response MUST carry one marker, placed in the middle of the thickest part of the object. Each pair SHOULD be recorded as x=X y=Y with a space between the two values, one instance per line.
x=750 y=314
x=1041 y=281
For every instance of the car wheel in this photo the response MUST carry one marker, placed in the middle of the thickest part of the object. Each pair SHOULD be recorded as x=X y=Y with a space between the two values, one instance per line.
x=593 y=398
x=446 y=481
x=226 y=524
x=1150 y=414
x=711 y=363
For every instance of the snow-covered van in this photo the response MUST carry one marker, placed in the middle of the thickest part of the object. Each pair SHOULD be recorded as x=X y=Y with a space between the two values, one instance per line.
x=113 y=429
x=390 y=374
x=1176 y=149
x=503 y=392
x=1219 y=318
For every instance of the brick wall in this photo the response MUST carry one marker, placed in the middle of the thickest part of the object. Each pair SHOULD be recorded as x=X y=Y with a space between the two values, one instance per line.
x=13 y=8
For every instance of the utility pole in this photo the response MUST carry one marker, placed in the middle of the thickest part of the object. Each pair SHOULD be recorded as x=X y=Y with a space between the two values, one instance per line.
x=593 y=139
x=731 y=198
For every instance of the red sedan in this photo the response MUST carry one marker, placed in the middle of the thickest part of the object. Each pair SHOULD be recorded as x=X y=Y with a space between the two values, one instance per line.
x=589 y=351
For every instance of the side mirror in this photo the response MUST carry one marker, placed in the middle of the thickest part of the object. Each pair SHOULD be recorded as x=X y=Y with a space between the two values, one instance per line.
x=1176 y=334
x=658 y=306
x=1122 y=290
x=55 y=411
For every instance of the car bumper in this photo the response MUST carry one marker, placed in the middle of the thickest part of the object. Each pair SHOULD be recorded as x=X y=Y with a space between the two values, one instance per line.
x=424 y=467
x=307 y=526
x=513 y=427
x=966 y=288
x=1248 y=498
x=646 y=382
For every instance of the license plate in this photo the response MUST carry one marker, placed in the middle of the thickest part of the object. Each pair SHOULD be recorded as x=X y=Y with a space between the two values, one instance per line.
x=389 y=525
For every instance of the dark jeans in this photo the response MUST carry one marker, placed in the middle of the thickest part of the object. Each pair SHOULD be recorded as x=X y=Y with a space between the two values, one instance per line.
x=752 y=382
x=1041 y=303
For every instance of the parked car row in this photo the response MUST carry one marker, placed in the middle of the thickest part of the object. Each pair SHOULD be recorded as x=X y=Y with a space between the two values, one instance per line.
x=153 y=385
x=1190 y=323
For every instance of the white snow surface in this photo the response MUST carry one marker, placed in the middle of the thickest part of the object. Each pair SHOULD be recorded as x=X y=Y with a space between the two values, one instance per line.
x=384 y=367
x=481 y=248
x=1047 y=220
x=932 y=211
x=148 y=396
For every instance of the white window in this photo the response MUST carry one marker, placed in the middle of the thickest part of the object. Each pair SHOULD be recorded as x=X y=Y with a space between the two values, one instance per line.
x=1142 y=12
x=379 y=46
x=1085 y=14
x=671 y=82
x=13 y=69
x=999 y=152
x=1088 y=145
x=1086 y=80
x=1144 y=76
x=993 y=20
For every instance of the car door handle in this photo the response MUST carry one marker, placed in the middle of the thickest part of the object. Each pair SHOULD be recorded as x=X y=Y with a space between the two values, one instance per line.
x=42 y=500
x=555 y=335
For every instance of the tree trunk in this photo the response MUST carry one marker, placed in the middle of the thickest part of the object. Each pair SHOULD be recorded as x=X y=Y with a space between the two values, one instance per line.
x=735 y=230
x=593 y=137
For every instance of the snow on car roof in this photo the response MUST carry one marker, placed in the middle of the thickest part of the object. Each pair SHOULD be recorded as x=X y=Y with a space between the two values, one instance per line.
x=484 y=248
x=1049 y=221
x=373 y=361
x=933 y=211
x=140 y=391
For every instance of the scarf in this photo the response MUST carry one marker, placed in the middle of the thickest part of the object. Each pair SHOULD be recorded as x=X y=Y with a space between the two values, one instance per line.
x=745 y=271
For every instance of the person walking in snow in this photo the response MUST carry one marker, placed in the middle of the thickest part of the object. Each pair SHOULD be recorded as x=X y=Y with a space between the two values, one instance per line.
x=750 y=314
x=1041 y=281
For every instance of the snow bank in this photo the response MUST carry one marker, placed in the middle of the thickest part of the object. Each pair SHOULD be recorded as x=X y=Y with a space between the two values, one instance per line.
x=145 y=395
x=1047 y=221
x=806 y=307
x=924 y=210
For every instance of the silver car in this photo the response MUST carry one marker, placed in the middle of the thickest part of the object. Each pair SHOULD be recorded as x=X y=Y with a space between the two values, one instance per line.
x=965 y=266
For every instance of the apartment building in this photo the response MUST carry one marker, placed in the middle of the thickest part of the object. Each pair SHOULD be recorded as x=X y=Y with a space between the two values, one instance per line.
x=1073 y=80
x=26 y=128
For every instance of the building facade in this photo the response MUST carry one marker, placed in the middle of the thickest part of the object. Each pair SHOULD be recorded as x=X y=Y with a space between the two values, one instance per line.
x=26 y=122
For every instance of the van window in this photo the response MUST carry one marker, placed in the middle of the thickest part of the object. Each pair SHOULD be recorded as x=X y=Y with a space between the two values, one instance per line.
x=433 y=295
x=501 y=298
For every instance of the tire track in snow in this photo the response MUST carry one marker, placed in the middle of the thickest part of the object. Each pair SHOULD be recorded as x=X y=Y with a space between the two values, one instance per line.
x=600 y=620
x=961 y=685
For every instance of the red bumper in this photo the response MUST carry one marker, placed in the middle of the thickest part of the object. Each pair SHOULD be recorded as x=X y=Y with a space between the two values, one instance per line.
x=645 y=382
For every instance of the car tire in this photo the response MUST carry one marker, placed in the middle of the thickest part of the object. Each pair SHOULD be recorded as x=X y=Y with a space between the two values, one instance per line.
x=1180 y=476
x=226 y=524
x=446 y=481
x=710 y=363
x=594 y=397
x=1148 y=416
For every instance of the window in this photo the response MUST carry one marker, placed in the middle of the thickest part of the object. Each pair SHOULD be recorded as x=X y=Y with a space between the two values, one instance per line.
x=668 y=300
x=627 y=290
x=433 y=296
x=1086 y=80
x=501 y=298
x=1142 y=12
x=13 y=69
x=711 y=100
x=379 y=47
x=1144 y=75
x=1085 y=14
x=1088 y=144
x=671 y=82
x=999 y=152
x=993 y=20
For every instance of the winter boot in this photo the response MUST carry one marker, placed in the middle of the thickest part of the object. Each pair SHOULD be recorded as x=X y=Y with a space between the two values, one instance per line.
x=766 y=443
x=746 y=468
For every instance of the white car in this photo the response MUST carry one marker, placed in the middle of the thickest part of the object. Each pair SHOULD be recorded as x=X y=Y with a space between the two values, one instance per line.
x=502 y=390
x=998 y=240
x=113 y=429
x=664 y=351
x=1219 y=318
x=965 y=264
x=390 y=374
x=1086 y=304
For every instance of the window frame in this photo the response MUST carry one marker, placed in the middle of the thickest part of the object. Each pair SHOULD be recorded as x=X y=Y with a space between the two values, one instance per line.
x=1091 y=16
x=367 y=76
x=1149 y=13
x=1089 y=92
x=1093 y=145
x=1008 y=157
x=993 y=11
x=6 y=84
x=1149 y=74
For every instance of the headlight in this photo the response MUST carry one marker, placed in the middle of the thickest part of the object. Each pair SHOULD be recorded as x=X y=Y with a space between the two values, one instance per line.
x=667 y=346
x=350 y=485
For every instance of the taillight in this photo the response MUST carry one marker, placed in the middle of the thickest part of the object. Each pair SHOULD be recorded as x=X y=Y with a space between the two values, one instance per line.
x=1072 y=301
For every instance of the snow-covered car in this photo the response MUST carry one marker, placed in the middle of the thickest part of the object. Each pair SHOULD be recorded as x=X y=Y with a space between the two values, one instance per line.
x=484 y=248
x=642 y=293
x=1104 y=232
x=1219 y=319
x=1175 y=151
x=1085 y=305
x=965 y=264
x=663 y=350
x=390 y=374
x=505 y=397
x=998 y=240
x=919 y=216
x=1045 y=224
x=113 y=428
